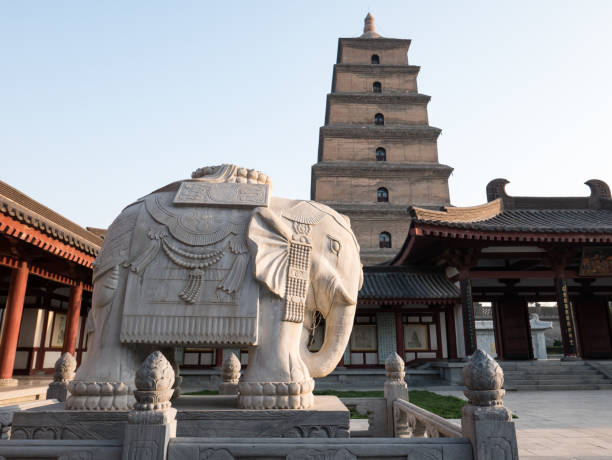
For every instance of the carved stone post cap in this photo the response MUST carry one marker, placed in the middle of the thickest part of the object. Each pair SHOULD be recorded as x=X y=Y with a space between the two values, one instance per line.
x=230 y=369
x=65 y=367
x=394 y=367
x=394 y=363
x=482 y=373
x=155 y=373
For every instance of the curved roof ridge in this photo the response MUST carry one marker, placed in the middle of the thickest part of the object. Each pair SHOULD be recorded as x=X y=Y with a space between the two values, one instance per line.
x=460 y=214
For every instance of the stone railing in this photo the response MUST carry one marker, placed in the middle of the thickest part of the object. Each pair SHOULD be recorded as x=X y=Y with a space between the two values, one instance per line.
x=396 y=427
x=414 y=422
x=394 y=416
x=376 y=411
x=485 y=422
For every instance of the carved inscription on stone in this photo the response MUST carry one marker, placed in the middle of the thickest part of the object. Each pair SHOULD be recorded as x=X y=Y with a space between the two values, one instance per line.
x=223 y=194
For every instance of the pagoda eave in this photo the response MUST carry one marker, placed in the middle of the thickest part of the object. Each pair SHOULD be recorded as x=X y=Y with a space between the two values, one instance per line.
x=360 y=98
x=390 y=132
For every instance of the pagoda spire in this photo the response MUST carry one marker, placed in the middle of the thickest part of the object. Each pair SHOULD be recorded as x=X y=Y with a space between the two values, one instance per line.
x=369 y=30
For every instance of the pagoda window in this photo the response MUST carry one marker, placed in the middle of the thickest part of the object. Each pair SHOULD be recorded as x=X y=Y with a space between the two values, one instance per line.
x=382 y=195
x=381 y=154
x=379 y=119
x=375 y=59
x=384 y=240
x=376 y=87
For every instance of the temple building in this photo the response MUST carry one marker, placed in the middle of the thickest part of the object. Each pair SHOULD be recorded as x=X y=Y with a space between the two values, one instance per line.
x=377 y=152
x=45 y=285
x=515 y=250
x=509 y=252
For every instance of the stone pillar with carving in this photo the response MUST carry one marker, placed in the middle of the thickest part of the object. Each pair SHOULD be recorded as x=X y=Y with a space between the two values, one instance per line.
x=230 y=371
x=64 y=373
x=395 y=388
x=485 y=421
x=152 y=422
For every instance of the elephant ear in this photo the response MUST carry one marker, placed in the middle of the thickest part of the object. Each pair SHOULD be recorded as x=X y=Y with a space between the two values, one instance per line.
x=268 y=241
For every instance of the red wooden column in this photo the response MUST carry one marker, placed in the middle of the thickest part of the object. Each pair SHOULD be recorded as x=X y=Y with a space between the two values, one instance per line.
x=464 y=260
x=469 y=325
x=12 y=322
x=451 y=339
x=72 y=320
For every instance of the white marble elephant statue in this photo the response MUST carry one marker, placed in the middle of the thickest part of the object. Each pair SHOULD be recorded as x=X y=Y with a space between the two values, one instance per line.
x=216 y=261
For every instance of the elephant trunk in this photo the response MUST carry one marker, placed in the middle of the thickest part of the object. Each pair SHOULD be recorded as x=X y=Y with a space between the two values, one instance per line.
x=338 y=326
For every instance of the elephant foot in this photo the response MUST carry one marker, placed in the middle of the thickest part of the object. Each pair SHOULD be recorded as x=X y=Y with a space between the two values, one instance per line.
x=276 y=395
x=177 y=388
x=102 y=396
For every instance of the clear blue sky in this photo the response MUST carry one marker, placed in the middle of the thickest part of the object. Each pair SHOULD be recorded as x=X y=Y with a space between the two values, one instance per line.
x=102 y=102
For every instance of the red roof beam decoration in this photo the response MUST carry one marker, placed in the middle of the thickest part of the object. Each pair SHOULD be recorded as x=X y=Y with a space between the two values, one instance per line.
x=43 y=273
x=35 y=237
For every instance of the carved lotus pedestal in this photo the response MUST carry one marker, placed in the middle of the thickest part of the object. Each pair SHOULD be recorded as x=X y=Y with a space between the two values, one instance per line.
x=197 y=416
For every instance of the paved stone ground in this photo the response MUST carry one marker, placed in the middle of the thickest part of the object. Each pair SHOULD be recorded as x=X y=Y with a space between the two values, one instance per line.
x=561 y=425
x=28 y=389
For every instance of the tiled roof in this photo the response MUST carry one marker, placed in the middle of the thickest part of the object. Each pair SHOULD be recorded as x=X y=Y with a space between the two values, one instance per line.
x=388 y=284
x=504 y=213
x=24 y=209
x=101 y=232
x=534 y=221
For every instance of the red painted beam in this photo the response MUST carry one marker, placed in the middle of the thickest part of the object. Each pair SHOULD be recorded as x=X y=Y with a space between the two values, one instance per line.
x=452 y=233
x=37 y=238
x=43 y=273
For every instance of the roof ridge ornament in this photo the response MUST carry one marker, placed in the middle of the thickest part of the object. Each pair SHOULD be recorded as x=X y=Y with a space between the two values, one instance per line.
x=369 y=30
x=599 y=189
x=497 y=189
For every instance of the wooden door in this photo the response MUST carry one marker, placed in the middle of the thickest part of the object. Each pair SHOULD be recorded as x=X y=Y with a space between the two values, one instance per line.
x=514 y=332
x=593 y=320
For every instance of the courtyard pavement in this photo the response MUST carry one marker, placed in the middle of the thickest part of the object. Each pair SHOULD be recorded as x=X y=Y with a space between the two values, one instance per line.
x=560 y=425
x=28 y=389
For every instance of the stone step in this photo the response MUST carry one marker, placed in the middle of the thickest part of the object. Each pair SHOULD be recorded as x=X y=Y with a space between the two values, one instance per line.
x=558 y=382
x=541 y=364
x=603 y=386
x=596 y=378
x=554 y=376
x=555 y=372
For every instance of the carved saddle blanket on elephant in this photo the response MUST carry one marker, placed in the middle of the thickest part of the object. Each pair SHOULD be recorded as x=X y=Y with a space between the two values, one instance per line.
x=190 y=275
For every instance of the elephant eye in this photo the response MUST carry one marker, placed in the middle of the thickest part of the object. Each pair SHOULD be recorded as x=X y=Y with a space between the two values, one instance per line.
x=334 y=245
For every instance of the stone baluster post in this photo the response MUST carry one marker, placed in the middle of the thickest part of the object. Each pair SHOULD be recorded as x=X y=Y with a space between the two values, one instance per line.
x=64 y=373
x=152 y=422
x=230 y=371
x=395 y=388
x=485 y=421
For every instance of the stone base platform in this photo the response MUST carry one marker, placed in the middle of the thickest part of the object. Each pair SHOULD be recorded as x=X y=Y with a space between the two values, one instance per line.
x=198 y=416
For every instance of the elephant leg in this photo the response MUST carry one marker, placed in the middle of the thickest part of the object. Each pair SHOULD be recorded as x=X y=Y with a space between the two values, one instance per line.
x=105 y=380
x=170 y=354
x=276 y=376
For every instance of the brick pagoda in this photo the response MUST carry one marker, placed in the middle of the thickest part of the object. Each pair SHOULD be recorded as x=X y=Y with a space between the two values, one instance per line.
x=377 y=153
